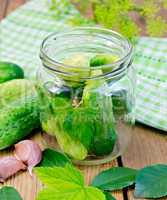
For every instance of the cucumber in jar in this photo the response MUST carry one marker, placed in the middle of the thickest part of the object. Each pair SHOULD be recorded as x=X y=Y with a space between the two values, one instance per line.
x=79 y=69
x=104 y=59
x=104 y=134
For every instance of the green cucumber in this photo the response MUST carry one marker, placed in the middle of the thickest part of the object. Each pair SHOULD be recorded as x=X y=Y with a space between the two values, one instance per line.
x=102 y=59
x=104 y=133
x=19 y=112
x=9 y=71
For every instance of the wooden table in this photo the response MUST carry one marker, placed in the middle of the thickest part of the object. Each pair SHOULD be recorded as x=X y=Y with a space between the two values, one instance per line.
x=149 y=146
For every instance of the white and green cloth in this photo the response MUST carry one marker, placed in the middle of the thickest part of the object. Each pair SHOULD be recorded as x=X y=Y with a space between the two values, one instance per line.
x=22 y=32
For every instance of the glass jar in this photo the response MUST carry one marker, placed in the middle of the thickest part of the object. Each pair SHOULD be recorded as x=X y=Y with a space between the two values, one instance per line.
x=86 y=87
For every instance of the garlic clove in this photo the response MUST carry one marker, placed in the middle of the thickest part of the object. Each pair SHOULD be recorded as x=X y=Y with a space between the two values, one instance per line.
x=29 y=153
x=9 y=166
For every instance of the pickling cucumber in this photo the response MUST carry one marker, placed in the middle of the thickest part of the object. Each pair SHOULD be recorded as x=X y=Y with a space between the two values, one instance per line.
x=19 y=112
x=9 y=71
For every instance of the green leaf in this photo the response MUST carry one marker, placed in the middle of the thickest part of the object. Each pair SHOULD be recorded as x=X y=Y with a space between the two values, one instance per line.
x=78 y=124
x=53 y=158
x=65 y=183
x=109 y=196
x=151 y=182
x=79 y=193
x=9 y=193
x=57 y=175
x=115 y=178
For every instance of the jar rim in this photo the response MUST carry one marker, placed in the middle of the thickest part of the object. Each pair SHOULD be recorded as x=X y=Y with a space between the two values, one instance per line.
x=117 y=71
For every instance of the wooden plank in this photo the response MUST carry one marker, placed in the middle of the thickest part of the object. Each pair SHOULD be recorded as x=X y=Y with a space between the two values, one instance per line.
x=148 y=147
x=3 y=7
x=29 y=186
x=13 y=4
x=131 y=196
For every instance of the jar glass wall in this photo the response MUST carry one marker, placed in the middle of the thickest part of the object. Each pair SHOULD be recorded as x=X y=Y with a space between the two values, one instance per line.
x=86 y=85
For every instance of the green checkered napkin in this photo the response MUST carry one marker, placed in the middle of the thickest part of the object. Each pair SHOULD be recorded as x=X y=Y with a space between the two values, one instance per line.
x=22 y=32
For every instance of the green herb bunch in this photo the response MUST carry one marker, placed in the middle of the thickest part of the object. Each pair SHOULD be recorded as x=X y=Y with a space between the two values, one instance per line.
x=117 y=15
x=63 y=8
x=62 y=5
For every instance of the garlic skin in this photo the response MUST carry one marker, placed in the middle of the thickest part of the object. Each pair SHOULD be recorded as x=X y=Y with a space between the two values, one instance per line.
x=29 y=153
x=9 y=166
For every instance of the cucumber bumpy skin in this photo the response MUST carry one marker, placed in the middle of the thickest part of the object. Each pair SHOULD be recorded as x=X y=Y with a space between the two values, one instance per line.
x=10 y=71
x=20 y=116
x=13 y=90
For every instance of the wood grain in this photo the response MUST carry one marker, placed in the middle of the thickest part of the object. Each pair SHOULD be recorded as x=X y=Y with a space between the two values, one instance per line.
x=13 y=4
x=3 y=7
x=148 y=147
